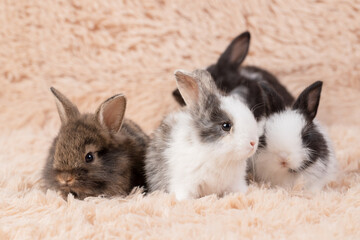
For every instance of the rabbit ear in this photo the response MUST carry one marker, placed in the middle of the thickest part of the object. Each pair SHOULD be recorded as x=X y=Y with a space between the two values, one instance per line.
x=274 y=102
x=236 y=52
x=110 y=113
x=309 y=99
x=194 y=86
x=67 y=110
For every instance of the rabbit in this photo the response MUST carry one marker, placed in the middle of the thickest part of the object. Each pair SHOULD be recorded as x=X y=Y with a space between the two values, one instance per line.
x=202 y=149
x=294 y=146
x=231 y=77
x=99 y=154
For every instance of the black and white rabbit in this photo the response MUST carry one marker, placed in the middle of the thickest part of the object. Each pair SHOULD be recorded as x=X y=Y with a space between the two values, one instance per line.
x=231 y=77
x=203 y=148
x=294 y=145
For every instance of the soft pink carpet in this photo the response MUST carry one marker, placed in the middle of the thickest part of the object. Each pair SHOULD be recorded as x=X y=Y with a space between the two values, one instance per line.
x=91 y=50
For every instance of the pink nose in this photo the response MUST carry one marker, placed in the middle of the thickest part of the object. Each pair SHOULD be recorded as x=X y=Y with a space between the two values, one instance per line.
x=66 y=178
x=252 y=143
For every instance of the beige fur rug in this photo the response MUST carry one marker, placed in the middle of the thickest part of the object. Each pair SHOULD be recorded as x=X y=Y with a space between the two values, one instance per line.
x=91 y=50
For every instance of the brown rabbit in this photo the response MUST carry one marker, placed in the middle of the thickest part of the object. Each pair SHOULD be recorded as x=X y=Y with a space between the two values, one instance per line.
x=95 y=154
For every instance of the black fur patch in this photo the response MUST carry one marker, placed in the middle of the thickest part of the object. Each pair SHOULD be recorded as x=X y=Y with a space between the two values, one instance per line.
x=313 y=140
x=274 y=102
x=262 y=142
x=273 y=82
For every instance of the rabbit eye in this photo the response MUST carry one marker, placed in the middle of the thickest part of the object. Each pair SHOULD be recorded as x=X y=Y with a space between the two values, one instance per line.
x=226 y=126
x=89 y=157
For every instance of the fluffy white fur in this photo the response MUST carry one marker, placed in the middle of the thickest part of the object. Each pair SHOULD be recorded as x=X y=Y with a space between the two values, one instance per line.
x=284 y=146
x=197 y=169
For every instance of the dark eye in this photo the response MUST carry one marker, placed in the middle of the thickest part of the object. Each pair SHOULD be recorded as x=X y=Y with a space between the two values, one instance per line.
x=226 y=126
x=89 y=157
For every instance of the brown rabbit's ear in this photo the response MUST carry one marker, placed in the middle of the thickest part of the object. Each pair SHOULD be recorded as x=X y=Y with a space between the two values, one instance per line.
x=67 y=110
x=194 y=86
x=111 y=113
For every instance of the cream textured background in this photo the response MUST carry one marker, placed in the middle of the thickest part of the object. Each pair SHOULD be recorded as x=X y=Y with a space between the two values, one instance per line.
x=93 y=49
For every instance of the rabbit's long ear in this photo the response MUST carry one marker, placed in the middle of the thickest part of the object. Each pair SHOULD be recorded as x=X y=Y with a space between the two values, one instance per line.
x=67 y=110
x=309 y=99
x=110 y=114
x=196 y=86
x=236 y=52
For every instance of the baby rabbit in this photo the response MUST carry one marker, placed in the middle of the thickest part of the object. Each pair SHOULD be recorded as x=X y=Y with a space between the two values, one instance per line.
x=203 y=148
x=294 y=144
x=95 y=154
x=231 y=77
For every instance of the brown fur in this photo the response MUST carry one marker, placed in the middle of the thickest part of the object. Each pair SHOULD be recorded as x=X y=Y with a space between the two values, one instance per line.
x=118 y=156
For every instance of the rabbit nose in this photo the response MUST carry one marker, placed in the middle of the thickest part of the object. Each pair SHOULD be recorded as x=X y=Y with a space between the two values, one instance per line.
x=283 y=164
x=252 y=143
x=66 y=179
x=284 y=158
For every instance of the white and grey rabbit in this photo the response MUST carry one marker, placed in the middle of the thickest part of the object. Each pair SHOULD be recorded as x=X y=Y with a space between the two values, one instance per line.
x=203 y=148
x=294 y=145
x=231 y=76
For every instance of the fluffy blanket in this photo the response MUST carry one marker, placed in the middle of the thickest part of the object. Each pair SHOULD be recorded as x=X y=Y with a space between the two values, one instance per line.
x=93 y=49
